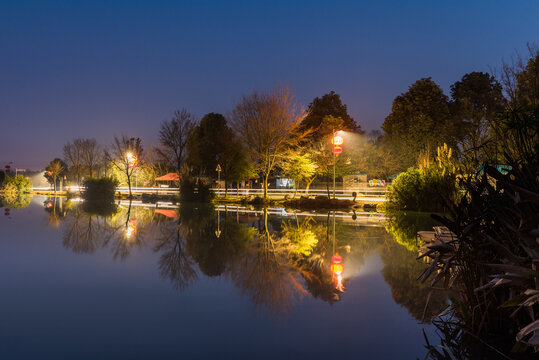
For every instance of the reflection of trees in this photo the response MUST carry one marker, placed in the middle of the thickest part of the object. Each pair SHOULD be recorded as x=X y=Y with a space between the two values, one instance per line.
x=175 y=264
x=56 y=210
x=266 y=272
x=401 y=271
x=83 y=233
x=275 y=263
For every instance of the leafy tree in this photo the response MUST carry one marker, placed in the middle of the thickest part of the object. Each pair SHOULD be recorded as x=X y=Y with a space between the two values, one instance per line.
x=208 y=143
x=173 y=137
x=520 y=80
x=419 y=118
x=268 y=123
x=125 y=155
x=55 y=170
x=301 y=167
x=477 y=98
x=328 y=105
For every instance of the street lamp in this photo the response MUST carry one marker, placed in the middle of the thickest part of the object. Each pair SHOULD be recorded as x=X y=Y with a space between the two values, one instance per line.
x=337 y=142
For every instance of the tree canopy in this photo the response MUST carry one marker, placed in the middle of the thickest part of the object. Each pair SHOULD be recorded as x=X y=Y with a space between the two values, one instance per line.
x=328 y=105
x=419 y=119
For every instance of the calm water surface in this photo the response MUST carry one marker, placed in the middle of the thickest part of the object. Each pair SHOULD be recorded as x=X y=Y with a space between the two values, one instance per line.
x=203 y=283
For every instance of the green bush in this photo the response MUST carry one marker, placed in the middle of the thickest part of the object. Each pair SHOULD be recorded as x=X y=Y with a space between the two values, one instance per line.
x=15 y=200
x=16 y=184
x=423 y=190
x=191 y=191
x=99 y=189
x=99 y=196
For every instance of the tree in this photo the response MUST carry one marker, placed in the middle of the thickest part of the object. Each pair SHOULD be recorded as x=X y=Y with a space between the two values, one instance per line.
x=91 y=154
x=477 y=98
x=520 y=79
x=73 y=156
x=328 y=105
x=301 y=167
x=54 y=170
x=208 y=144
x=419 y=118
x=125 y=154
x=268 y=123
x=173 y=137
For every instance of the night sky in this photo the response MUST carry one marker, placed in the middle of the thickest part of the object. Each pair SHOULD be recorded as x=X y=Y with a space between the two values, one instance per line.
x=98 y=68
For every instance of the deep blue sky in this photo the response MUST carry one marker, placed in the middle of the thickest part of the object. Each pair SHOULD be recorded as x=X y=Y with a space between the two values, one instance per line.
x=97 y=68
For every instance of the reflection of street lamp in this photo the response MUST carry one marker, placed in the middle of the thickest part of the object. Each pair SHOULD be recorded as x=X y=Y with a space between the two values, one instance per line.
x=132 y=161
x=337 y=142
x=337 y=267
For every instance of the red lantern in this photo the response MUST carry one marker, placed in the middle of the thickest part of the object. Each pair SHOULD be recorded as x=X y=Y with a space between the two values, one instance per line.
x=8 y=168
x=337 y=149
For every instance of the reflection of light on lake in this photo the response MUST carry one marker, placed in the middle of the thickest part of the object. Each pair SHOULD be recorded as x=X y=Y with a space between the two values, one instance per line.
x=354 y=269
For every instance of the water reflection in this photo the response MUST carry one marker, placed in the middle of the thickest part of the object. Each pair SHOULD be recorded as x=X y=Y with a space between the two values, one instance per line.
x=274 y=261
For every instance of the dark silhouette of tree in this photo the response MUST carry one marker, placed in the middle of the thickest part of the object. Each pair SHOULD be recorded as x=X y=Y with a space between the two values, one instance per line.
x=328 y=105
x=419 y=119
x=173 y=137
x=477 y=99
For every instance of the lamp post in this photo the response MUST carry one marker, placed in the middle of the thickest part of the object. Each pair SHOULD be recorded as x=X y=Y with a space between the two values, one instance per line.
x=337 y=142
x=218 y=169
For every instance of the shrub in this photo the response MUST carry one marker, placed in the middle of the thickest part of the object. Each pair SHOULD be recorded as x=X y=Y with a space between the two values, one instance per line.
x=99 y=189
x=199 y=191
x=16 y=184
x=428 y=188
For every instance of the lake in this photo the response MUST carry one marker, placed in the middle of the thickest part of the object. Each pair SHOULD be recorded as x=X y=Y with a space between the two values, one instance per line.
x=142 y=282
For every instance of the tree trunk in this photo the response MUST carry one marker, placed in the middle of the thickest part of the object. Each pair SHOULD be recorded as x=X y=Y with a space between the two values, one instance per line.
x=129 y=184
x=54 y=180
x=226 y=188
x=308 y=185
x=266 y=185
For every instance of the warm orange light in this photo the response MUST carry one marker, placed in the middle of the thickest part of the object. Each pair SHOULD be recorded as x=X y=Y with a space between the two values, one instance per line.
x=131 y=228
x=337 y=269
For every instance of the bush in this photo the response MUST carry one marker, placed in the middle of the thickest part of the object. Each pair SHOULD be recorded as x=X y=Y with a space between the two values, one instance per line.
x=199 y=191
x=99 y=189
x=99 y=196
x=422 y=190
x=16 y=184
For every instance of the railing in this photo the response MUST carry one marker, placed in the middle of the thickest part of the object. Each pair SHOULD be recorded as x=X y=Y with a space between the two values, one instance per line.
x=365 y=194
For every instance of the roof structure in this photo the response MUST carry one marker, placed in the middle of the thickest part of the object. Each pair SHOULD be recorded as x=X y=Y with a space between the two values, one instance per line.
x=169 y=177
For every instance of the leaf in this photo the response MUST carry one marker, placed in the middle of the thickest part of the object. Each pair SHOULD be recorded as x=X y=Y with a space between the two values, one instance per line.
x=534 y=326
x=514 y=301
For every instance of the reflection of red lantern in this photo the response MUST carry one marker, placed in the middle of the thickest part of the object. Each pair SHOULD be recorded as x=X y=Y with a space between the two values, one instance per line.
x=336 y=264
x=49 y=204
x=131 y=228
x=337 y=269
x=6 y=212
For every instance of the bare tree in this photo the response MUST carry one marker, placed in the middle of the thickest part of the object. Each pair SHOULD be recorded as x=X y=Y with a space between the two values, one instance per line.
x=73 y=156
x=268 y=123
x=125 y=154
x=173 y=138
x=91 y=154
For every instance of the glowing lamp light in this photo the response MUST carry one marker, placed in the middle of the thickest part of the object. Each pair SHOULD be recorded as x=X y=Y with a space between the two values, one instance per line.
x=131 y=228
x=337 y=140
x=336 y=264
